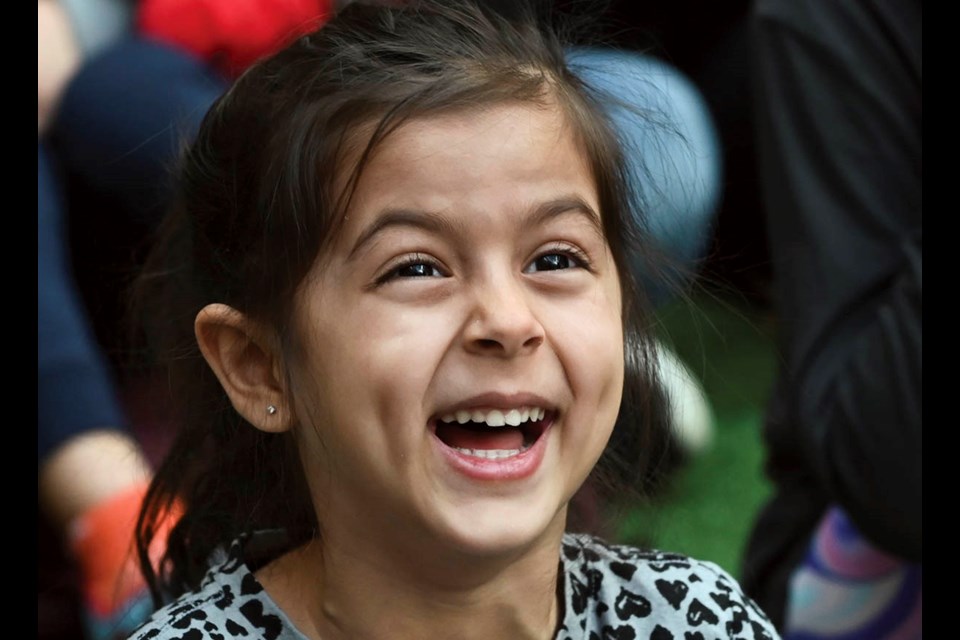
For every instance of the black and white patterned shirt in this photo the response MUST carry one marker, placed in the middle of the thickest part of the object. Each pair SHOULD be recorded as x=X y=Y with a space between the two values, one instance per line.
x=609 y=592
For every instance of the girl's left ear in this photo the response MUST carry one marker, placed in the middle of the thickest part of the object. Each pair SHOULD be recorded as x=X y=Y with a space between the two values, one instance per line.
x=246 y=361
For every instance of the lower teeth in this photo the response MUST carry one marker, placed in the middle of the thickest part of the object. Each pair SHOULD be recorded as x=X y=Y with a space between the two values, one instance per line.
x=491 y=454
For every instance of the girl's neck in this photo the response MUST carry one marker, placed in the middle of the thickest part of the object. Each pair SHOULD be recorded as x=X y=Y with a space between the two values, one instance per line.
x=334 y=590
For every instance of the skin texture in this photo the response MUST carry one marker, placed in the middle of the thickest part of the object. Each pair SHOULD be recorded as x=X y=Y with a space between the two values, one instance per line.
x=471 y=262
x=87 y=470
x=58 y=58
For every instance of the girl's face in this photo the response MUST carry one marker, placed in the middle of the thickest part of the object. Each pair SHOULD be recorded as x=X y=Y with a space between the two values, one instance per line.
x=461 y=360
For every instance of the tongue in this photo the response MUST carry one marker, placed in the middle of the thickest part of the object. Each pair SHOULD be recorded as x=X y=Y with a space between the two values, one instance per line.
x=467 y=436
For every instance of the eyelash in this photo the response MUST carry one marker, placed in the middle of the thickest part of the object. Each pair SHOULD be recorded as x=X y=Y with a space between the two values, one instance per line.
x=410 y=261
x=576 y=255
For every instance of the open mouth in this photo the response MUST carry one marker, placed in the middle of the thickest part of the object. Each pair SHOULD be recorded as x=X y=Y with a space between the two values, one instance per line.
x=493 y=434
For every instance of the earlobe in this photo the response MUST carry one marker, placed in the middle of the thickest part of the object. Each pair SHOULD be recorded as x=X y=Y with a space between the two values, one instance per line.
x=246 y=361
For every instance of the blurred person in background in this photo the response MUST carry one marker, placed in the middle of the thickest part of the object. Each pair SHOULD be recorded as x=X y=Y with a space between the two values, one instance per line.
x=838 y=551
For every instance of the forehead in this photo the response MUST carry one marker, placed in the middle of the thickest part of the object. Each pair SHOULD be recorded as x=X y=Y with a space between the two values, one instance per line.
x=481 y=162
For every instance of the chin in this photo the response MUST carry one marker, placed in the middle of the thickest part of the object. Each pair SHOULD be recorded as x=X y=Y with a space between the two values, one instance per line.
x=489 y=528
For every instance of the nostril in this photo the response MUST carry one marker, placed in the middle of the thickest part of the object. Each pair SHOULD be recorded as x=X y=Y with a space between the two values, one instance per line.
x=498 y=332
x=534 y=341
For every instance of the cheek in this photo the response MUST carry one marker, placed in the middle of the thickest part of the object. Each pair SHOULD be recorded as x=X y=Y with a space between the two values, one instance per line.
x=603 y=334
x=603 y=354
x=591 y=347
x=594 y=366
x=600 y=378
x=394 y=354
x=364 y=366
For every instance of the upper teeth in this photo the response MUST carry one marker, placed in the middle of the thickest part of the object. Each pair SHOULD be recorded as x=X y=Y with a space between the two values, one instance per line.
x=495 y=417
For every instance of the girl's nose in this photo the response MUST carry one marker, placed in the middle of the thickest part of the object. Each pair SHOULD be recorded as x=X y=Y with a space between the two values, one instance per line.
x=502 y=322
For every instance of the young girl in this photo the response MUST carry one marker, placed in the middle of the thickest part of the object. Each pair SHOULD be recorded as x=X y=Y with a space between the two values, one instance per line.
x=401 y=248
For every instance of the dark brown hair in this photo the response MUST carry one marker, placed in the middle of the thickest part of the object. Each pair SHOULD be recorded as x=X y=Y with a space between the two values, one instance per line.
x=261 y=191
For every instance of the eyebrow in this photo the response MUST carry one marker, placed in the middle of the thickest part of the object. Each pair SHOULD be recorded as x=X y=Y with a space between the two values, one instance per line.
x=551 y=209
x=437 y=223
x=417 y=218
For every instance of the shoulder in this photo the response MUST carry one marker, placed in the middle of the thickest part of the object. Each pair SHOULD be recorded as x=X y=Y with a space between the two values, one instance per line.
x=616 y=591
x=230 y=603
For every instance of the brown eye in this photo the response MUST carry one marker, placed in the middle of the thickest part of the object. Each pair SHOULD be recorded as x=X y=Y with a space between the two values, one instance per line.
x=553 y=261
x=417 y=270
x=414 y=266
x=558 y=260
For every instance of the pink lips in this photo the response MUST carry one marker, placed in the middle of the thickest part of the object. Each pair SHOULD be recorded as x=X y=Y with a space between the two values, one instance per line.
x=501 y=401
x=516 y=467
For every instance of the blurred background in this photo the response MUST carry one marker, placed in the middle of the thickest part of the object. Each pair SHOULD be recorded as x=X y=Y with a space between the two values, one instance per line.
x=723 y=328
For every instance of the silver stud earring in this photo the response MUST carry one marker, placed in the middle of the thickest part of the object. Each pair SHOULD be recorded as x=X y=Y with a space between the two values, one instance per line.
x=271 y=410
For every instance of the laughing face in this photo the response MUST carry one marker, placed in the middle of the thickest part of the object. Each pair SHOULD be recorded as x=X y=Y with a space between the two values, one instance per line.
x=460 y=348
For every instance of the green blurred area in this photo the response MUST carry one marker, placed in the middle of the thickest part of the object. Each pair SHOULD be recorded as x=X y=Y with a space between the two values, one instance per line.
x=707 y=506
